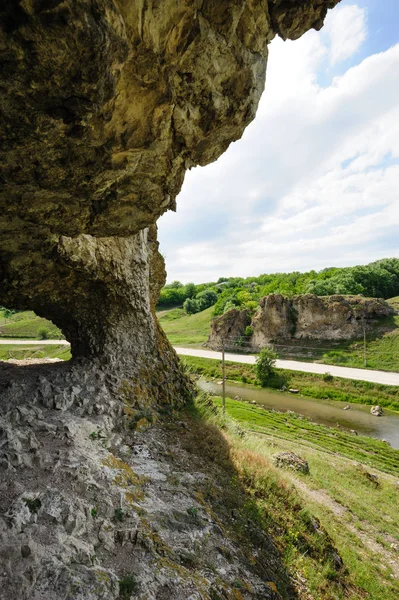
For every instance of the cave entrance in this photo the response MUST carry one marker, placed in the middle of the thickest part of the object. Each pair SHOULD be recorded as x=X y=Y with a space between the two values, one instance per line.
x=24 y=336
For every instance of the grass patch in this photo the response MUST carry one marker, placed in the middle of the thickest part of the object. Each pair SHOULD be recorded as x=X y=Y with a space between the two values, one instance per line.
x=307 y=532
x=309 y=384
x=296 y=428
x=187 y=330
x=20 y=352
x=27 y=325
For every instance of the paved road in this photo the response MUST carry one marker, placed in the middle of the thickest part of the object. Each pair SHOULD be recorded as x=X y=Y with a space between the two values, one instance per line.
x=34 y=342
x=307 y=367
x=249 y=359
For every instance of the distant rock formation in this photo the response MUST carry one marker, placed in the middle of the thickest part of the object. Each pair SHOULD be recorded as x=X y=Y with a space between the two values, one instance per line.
x=301 y=317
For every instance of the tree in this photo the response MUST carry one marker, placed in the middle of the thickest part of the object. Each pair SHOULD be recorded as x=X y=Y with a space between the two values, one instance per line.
x=191 y=306
x=175 y=285
x=265 y=365
x=190 y=290
x=206 y=298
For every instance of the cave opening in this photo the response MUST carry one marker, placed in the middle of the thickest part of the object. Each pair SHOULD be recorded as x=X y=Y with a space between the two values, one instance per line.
x=26 y=336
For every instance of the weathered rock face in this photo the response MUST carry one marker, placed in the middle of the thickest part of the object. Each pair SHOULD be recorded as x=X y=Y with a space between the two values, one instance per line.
x=228 y=328
x=104 y=105
x=92 y=510
x=315 y=317
x=302 y=317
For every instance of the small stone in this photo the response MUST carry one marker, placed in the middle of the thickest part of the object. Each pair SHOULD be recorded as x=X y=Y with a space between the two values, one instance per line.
x=291 y=461
x=376 y=411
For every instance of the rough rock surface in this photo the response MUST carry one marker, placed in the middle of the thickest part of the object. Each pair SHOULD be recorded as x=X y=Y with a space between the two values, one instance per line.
x=290 y=460
x=304 y=317
x=92 y=500
x=104 y=105
x=227 y=330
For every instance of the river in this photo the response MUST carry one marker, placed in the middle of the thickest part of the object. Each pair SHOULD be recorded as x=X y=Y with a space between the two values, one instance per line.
x=326 y=412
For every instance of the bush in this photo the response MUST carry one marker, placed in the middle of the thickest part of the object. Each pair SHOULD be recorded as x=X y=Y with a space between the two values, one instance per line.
x=265 y=365
x=191 y=306
x=43 y=333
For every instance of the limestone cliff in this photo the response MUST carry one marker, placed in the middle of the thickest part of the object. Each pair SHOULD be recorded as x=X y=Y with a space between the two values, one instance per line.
x=307 y=316
x=104 y=104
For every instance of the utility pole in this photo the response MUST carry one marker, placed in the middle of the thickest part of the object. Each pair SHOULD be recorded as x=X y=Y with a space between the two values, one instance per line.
x=364 y=343
x=223 y=380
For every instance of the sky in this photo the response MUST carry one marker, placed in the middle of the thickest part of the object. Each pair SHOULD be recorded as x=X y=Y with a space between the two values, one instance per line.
x=313 y=182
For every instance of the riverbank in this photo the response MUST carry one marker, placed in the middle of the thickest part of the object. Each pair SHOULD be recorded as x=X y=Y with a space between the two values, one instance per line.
x=321 y=387
x=351 y=489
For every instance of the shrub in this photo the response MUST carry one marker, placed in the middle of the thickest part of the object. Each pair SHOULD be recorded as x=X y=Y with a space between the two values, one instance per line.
x=265 y=365
x=43 y=333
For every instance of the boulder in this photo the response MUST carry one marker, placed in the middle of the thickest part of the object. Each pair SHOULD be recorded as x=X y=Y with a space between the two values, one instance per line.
x=376 y=411
x=292 y=461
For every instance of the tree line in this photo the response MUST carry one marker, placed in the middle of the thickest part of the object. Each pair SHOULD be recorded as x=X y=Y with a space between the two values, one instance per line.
x=379 y=279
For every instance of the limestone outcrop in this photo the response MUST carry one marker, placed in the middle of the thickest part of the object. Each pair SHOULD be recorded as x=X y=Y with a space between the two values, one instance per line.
x=227 y=329
x=104 y=105
x=307 y=316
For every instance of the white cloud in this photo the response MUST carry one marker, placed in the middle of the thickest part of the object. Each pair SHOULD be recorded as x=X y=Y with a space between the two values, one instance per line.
x=312 y=183
x=347 y=29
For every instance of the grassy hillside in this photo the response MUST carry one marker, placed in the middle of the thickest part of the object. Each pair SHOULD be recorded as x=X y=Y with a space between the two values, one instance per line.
x=186 y=330
x=20 y=352
x=349 y=496
x=382 y=349
x=27 y=325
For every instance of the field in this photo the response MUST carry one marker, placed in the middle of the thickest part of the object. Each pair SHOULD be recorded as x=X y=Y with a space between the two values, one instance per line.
x=382 y=346
x=27 y=325
x=350 y=496
x=190 y=331
x=20 y=352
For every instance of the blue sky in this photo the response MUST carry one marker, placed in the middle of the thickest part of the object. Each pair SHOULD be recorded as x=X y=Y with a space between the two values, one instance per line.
x=314 y=180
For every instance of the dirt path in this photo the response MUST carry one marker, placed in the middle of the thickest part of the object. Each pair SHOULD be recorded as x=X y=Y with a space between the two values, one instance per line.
x=368 y=539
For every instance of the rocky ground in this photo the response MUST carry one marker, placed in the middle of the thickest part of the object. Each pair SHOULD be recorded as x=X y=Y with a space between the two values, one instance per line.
x=112 y=501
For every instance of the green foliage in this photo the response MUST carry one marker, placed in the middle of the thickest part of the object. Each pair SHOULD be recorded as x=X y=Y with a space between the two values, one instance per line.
x=127 y=585
x=43 y=333
x=265 y=363
x=248 y=331
x=33 y=504
x=379 y=279
x=118 y=515
x=94 y=512
x=191 y=306
x=310 y=384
